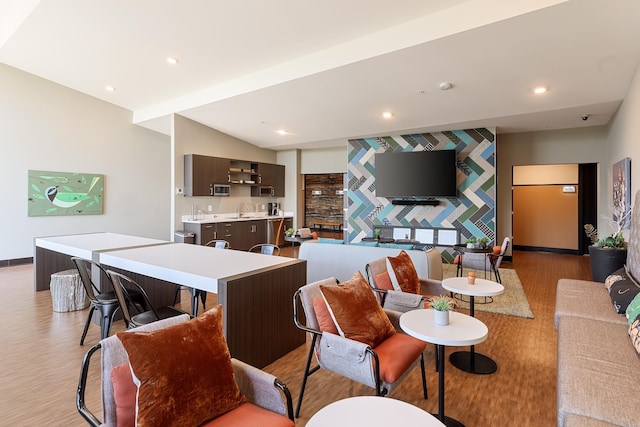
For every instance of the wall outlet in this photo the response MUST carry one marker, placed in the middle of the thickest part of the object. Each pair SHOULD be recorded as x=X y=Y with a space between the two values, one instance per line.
x=179 y=190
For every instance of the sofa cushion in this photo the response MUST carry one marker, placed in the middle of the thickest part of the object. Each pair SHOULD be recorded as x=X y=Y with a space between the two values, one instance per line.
x=597 y=370
x=403 y=273
x=622 y=290
x=330 y=241
x=573 y=420
x=356 y=312
x=571 y=295
x=187 y=367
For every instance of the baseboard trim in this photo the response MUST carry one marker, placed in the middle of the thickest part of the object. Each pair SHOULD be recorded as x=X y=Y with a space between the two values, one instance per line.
x=14 y=262
x=543 y=249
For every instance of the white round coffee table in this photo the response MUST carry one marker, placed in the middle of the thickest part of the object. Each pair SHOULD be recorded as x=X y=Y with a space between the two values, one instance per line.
x=470 y=361
x=372 y=411
x=462 y=330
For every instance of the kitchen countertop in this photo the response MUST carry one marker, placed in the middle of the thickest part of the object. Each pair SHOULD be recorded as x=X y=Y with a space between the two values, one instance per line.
x=251 y=216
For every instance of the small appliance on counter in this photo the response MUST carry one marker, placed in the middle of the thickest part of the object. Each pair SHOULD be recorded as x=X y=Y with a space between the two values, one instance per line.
x=273 y=208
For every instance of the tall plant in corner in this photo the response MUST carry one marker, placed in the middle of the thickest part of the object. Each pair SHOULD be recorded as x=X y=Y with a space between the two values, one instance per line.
x=609 y=253
x=617 y=222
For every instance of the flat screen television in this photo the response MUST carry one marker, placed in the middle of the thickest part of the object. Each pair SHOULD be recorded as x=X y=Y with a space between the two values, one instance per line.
x=419 y=174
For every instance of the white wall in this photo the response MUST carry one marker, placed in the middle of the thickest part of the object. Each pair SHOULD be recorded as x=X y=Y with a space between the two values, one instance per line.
x=624 y=132
x=45 y=126
x=579 y=145
x=190 y=137
x=326 y=160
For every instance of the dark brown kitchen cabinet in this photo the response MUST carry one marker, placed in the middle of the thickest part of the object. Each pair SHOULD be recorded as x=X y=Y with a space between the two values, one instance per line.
x=204 y=232
x=229 y=231
x=221 y=170
x=198 y=174
x=251 y=233
x=201 y=172
x=271 y=182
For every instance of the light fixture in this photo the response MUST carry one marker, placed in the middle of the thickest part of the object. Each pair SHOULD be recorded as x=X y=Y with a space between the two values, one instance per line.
x=282 y=132
x=539 y=90
x=171 y=60
x=445 y=86
x=110 y=88
x=387 y=115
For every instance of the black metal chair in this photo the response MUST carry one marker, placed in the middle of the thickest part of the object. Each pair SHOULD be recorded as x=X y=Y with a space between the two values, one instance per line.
x=106 y=302
x=266 y=249
x=123 y=286
x=197 y=293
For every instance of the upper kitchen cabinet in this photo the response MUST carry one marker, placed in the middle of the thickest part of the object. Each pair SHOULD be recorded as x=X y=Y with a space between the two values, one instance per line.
x=201 y=172
x=271 y=181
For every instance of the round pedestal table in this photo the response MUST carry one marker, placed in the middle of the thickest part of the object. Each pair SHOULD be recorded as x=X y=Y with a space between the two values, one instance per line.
x=462 y=330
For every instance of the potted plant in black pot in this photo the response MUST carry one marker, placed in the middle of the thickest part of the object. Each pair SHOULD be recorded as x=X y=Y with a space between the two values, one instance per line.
x=608 y=254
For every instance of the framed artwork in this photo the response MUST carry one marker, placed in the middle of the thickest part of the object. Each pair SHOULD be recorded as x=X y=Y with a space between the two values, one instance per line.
x=64 y=193
x=622 y=192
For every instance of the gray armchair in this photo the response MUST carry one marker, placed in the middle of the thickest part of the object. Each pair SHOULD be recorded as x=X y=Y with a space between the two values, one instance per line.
x=260 y=388
x=401 y=301
x=349 y=358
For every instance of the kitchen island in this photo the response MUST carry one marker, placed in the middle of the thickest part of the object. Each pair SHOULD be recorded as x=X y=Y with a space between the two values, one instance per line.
x=256 y=291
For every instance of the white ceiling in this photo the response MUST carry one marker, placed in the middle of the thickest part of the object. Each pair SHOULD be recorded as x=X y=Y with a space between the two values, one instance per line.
x=325 y=71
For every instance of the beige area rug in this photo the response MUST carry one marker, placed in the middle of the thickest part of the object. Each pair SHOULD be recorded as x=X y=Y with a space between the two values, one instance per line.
x=513 y=302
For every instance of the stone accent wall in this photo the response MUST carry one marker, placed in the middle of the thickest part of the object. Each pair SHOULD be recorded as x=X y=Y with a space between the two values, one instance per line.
x=326 y=207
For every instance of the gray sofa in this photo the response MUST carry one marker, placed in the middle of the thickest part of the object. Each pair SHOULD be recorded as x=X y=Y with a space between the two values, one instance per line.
x=598 y=367
x=343 y=260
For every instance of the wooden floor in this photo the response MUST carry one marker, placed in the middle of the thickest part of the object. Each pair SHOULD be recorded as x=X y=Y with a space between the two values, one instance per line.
x=40 y=358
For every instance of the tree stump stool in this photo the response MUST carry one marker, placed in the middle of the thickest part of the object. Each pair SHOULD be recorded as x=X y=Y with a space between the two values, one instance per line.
x=67 y=292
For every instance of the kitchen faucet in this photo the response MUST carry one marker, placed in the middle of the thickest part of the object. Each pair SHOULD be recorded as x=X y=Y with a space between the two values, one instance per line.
x=246 y=206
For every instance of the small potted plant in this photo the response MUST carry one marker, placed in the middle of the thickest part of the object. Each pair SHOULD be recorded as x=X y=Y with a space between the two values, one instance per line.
x=376 y=233
x=441 y=306
x=471 y=243
x=289 y=232
x=482 y=242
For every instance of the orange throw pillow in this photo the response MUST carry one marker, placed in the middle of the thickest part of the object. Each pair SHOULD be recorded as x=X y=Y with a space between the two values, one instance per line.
x=325 y=321
x=383 y=281
x=183 y=372
x=124 y=395
x=497 y=250
x=356 y=312
x=404 y=273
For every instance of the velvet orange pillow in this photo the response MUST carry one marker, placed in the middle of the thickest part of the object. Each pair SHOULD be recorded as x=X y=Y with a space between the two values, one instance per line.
x=325 y=321
x=356 y=312
x=183 y=373
x=497 y=250
x=383 y=281
x=124 y=395
x=403 y=273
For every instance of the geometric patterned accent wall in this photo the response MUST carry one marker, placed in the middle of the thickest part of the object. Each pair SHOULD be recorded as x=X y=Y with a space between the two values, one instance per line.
x=472 y=212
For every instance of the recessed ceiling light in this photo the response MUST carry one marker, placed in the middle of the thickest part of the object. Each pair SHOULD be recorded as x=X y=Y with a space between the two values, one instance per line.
x=282 y=132
x=387 y=115
x=171 y=60
x=539 y=90
x=445 y=86
x=110 y=88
